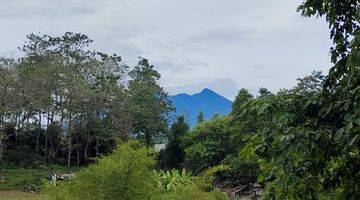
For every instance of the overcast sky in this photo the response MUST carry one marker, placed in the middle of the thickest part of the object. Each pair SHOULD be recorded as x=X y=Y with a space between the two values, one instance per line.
x=223 y=45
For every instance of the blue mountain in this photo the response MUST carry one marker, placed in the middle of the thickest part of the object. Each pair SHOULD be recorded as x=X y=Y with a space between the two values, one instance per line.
x=207 y=101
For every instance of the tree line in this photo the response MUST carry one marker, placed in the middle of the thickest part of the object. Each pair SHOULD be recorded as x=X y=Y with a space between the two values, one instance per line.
x=62 y=103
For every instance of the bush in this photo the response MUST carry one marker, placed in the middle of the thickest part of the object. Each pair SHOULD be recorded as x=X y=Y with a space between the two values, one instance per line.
x=189 y=192
x=125 y=174
x=177 y=185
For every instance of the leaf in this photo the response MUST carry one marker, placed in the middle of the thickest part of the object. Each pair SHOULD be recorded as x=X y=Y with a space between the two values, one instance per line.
x=357 y=121
x=338 y=135
x=347 y=105
x=353 y=140
x=262 y=110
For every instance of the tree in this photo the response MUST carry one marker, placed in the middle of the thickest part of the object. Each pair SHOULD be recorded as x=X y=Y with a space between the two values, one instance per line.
x=150 y=104
x=242 y=97
x=208 y=144
x=64 y=100
x=310 y=83
x=173 y=155
x=200 y=117
x=306 y=141
x=8 y=102
x=343 y=18
x=264 y=92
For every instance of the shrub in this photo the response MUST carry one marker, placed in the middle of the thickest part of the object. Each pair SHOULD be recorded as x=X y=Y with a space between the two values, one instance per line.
x=125 y=174
x=176 y=185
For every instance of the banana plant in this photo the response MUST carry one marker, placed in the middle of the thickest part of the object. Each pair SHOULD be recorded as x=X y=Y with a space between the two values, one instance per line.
x=170 y=180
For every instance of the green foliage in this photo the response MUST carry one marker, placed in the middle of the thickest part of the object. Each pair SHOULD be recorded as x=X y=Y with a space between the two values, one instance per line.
x=309 y=84
x=68 y=104
x=125 y=174
x=208 y=144
x=150 y=103
x=343 y=18
x=24 y=178
x=170 y=180
x=173 y=155
x=239 y=171
x=209 y=174
x=306 y=139
x=264 y=93
x=242 y=97
x=304 y=146
x=19 y=195
x=181 y=185
x=190 y=192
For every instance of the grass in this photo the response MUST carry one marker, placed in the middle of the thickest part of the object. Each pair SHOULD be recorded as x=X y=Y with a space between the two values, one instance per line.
x=21 y=178
x=18 y=195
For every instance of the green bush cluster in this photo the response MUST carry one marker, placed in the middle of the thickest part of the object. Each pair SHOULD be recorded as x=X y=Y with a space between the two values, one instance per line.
x=128 y=174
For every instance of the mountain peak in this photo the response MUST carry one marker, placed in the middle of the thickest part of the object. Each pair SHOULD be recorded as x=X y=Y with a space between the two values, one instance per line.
x=207 y=90
x=206 y=101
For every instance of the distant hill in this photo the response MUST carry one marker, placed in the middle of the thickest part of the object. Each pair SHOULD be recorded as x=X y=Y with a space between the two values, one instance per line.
x=207 y=101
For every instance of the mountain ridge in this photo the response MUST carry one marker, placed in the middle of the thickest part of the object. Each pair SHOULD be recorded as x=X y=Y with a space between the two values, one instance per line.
x=207 y=101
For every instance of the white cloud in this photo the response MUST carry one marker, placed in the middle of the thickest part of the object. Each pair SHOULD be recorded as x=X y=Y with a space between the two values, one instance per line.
x=247 y=43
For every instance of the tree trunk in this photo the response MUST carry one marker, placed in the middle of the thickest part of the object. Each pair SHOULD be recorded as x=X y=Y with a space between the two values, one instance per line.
x=147 y=139
x=69 y=143
x=78 y=155
x=46 y=137
x=17 y=120
x=2 y=147
x=51 y=152
x=38 y=135
x=2 y=174
x=86 y=147
x=97 y=147
x=69 y=153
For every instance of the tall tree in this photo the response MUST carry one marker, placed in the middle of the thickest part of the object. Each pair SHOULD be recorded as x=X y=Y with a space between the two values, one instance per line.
x=8 y=103
x=150 y=104
x=242 y=97
x=173 y=155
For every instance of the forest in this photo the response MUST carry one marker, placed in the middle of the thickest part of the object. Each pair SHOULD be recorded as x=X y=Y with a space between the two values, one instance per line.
x=65 y=107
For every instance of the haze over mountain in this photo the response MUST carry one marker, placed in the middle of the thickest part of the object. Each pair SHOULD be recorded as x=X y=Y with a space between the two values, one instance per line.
x=207 y=101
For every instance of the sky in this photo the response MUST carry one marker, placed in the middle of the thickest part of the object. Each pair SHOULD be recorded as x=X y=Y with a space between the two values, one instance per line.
x=223 y=45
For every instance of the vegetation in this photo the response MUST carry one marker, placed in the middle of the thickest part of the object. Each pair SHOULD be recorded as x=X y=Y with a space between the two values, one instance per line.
x=301 y=143
x=128 y=174
x=64 y=104
x=173 y=155
x=125 y=174
x=18 y=195
x=208 y=143
x=28 y=179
